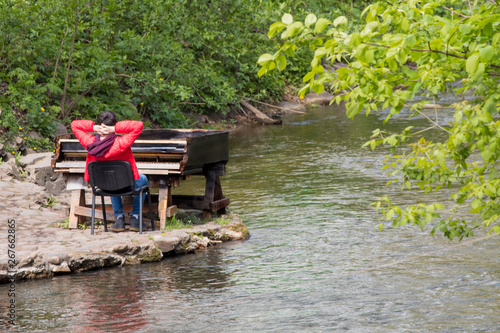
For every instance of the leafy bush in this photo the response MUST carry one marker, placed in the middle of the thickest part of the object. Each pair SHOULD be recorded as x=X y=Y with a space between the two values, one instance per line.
x=157 y=60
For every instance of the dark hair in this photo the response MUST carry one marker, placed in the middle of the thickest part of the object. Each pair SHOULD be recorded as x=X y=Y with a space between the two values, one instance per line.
x=107 y=118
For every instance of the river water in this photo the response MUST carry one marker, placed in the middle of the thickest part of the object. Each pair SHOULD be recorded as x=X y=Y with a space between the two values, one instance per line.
x=314 y=262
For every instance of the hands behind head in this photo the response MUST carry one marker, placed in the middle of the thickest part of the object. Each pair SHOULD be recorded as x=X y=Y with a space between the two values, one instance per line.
x=103 y=129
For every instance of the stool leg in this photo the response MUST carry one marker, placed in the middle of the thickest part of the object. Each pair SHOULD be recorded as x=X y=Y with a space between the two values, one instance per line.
x=140 y=213
x=151 y=210
x=93 y=215
x=104 y=214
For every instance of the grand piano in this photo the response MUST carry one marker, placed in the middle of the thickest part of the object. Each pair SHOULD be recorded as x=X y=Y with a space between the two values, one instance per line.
x=165 y=156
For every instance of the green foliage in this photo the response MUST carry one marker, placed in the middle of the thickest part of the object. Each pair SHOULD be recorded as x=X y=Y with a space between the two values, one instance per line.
x=48 y=203
x=155 y=60
x=222 y=220
x=182 y=222
x=404 y=49
x=63 y=224
x=160 y=61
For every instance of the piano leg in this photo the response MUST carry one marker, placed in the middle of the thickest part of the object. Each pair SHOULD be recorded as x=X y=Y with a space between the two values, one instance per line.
x=218 y=196
x=77 y=199
x=165 y=207
x=214 y=201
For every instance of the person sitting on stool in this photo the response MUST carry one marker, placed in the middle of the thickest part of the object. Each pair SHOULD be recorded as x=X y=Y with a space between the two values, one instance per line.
x=107 y=146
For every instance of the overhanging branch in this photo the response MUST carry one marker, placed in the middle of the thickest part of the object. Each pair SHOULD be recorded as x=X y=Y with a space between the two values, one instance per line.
x=429 y=50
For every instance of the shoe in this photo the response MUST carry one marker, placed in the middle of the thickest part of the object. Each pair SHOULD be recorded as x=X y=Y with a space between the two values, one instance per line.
x=119 y=224
x=134 y=224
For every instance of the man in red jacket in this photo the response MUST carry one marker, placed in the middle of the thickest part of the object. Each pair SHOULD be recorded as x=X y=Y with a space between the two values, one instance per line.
x=107 y=146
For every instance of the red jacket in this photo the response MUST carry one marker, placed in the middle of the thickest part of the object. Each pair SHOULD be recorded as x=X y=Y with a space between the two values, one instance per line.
x=120 y=150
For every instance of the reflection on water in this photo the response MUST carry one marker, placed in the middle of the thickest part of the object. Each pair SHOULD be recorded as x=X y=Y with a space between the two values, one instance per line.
x=314 y=262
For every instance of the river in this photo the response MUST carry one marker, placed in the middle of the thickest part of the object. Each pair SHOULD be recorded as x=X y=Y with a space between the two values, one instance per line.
x=314 y=262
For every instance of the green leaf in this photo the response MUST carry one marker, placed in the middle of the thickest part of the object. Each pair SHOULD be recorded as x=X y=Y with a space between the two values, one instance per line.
x=479 y=72
x=390 y=214
x=370 y=26
x=486 y=155
x=496 y=229
x=321 y=24
x=310 y=19
x=490 y=106
x=353 y=109
x=411 y=3
x=383 y=28
x=354 y=40
x=304 y=90
x=369 y=56
x=495 y=39
x=281 y=62
x=289 y=32
x=488 y=30
x=274 y=28
x=465 y=29
x=410 y=40
x=405 y=24
x=262 y=71
x=287 y=19
x=476 y=203
x=264 y=59
x=341 y=20
x=318 y=87
x=472 y=63
x=320 y=52
x=486 y=53
x=308 y=76
x=366 y=10
x=316 y=70
x=435 y=43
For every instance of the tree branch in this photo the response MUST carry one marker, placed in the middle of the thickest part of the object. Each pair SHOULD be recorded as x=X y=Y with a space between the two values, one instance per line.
x=73 y=103
x=470 y=7
x=429 y=119
x=455 y=12
x=149 y=29
x=57 y=61
x=429 y=50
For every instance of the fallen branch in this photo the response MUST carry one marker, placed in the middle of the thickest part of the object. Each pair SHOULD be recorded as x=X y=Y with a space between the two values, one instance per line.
x=261 y=117
x=274 y=106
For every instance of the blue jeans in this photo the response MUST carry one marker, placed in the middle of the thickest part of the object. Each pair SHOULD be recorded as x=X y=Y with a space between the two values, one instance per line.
x=117 y=204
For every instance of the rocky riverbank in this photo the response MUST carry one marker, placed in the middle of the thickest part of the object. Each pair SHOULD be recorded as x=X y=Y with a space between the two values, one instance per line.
x=36 y=244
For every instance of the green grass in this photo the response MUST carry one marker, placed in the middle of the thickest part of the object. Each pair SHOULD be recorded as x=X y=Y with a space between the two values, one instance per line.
x=178 y=223
x=223 y=220
x=63 y=224
x=51 y=201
